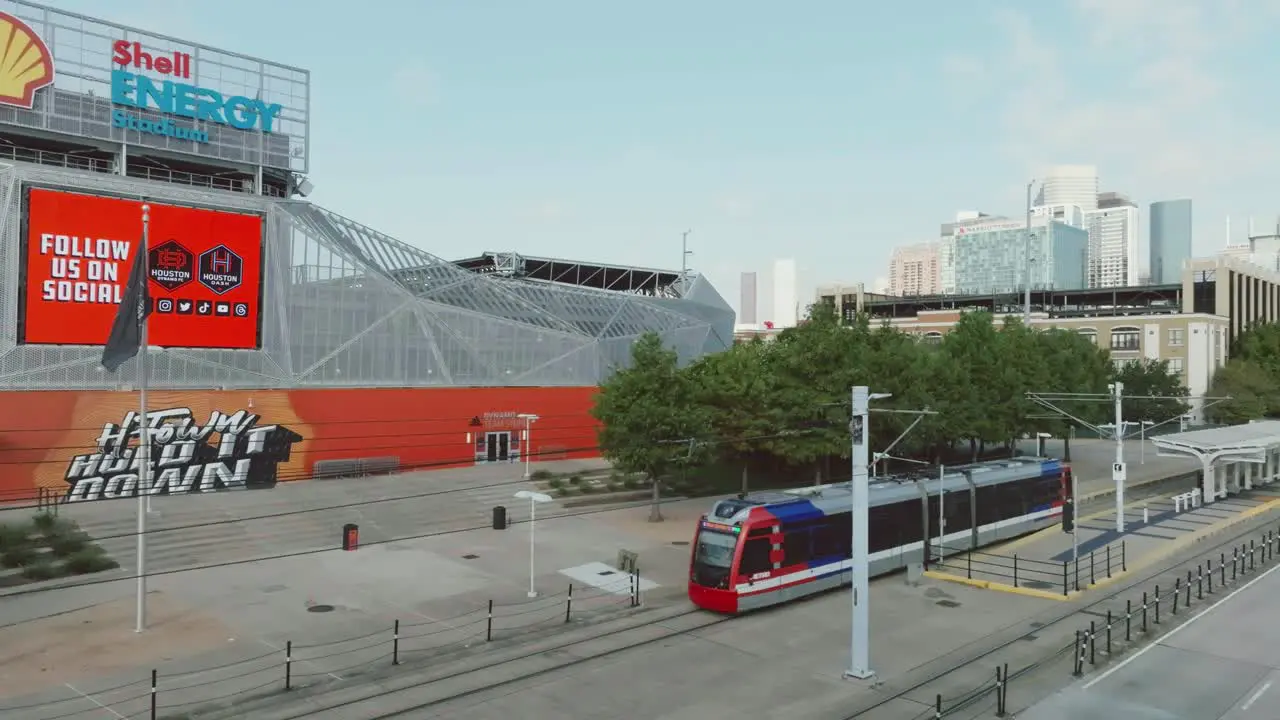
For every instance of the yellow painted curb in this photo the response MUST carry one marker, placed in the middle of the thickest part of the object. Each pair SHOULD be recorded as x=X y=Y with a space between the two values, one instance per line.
x=998 y=587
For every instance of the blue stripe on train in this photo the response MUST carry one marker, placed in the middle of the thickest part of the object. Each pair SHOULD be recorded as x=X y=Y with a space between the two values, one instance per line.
x=795 y=511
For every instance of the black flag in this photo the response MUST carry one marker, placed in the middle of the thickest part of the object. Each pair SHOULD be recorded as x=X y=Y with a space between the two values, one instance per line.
x=135 y=306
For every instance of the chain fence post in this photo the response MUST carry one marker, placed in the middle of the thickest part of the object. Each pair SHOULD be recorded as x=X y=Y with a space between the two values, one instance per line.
x=1093 y=644
x=288 y=665
x=1200 y=582
x=1209 y=564
x=1108 y=633
x=1144 y=612
x=1004 y=696
x=1015 y=569
x=488 y=624
x=1079 y=653
x=937 y=707
x=1157 y=604
x=1177 y=590
x=154 y=675
x=568 y=604
x=395 y=644
x=999 y=692
x=1187 y=604
x=1128 y=620
x=1222 y=568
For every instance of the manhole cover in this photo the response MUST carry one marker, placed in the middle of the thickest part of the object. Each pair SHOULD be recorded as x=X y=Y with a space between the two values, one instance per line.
x=606 y=572
x=470 y=556
x=320 y=608
x=948 y=603
x=680 y=543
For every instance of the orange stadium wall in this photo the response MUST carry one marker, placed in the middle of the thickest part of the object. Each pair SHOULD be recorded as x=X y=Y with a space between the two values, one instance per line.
x=63 y=443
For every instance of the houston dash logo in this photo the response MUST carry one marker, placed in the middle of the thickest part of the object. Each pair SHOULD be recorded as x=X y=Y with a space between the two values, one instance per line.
x=185 y=456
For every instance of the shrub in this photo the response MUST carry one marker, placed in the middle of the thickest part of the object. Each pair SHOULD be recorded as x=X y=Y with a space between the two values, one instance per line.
x=587 y=488
x=556 y=483
x=563 y=492
x=542 y=475
x=14 y=535
x=41 y=570
x=575 y=479
x=18 y=556
x=90 y=559
x=613 y=486
x=633 y=483
x=67 y=541
x=45 y=522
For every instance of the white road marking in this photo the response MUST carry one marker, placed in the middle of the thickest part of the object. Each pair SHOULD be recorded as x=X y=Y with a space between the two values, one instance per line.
x=91 y=699
x=1254 y=698
x=1179 y=629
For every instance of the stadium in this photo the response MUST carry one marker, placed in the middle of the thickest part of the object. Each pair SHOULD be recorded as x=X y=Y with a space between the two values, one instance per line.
x=314 y=345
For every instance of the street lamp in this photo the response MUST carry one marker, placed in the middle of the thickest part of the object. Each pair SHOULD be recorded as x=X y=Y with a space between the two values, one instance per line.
x=534 y=498
x=859 y=499
x=529 y=419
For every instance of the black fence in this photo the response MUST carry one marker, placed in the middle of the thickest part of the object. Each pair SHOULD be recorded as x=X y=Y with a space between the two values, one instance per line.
x=1063 y=576
x=164 y=695
x=1140 y=621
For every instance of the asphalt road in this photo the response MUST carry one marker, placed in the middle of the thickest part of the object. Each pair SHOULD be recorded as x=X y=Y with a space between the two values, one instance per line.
x=1223 y=664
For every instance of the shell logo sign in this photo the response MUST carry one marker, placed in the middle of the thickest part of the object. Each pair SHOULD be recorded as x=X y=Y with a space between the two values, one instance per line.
x=26 y=65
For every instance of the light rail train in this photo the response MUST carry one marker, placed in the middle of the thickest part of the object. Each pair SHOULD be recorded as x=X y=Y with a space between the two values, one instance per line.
x=773 y=547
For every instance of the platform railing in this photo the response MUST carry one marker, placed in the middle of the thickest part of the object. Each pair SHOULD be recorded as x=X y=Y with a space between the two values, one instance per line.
x=1083 y=571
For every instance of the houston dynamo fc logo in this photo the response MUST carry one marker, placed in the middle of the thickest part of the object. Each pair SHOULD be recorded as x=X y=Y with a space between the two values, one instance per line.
x=185 y=456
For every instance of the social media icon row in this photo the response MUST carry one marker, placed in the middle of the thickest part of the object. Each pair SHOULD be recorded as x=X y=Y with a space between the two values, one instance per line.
x=183 y=306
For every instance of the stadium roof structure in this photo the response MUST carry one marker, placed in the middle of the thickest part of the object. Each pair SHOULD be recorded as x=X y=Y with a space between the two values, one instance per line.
x=1141 y=300
x=343 y=305
x=618 y=278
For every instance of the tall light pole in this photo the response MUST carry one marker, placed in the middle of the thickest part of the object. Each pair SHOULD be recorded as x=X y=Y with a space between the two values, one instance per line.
x=685 y=252
x=534 y=498
x=1118 y=468
x=1026 y=312
x=529 y=419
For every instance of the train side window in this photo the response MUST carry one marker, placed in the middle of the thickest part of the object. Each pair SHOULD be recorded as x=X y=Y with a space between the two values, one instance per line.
x=755 y=557
x=795 y=548
x=826 y=541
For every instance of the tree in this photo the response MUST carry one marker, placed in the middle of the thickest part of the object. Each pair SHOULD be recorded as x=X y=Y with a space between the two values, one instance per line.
x=969 y=401
x=1151 y=378
x=736 y=387
x=1253 y=391
x=651 y=420
x=1073 y=365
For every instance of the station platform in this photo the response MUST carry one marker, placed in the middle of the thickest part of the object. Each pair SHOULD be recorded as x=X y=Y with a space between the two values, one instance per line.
x=1050 y=565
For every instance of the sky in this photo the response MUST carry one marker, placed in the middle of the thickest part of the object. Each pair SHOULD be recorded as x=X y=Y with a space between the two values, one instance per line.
x=828 y=131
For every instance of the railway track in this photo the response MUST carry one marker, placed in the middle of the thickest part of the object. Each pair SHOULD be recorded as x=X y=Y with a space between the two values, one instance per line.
x=545 y=660
x=522 y=667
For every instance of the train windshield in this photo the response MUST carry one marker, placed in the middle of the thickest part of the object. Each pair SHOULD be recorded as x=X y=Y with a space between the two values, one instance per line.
x=715 y=549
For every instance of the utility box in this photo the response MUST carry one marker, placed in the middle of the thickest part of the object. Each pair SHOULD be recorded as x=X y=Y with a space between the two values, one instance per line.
x=628 y=561
x=500 y=518
x=350 y=536
x=915 y=571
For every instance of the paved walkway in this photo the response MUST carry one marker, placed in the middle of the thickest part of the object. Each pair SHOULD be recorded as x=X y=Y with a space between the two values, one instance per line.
x=1221 y=664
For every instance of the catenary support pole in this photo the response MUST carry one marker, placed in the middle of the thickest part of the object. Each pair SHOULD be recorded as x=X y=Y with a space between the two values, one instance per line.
x=1118 y=468
x=144 y=437
x=859 y=662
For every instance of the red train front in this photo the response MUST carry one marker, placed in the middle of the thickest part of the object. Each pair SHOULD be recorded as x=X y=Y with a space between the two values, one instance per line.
x=714 y=563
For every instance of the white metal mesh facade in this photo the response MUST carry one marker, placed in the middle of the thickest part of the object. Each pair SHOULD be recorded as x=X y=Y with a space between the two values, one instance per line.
x=343 y=305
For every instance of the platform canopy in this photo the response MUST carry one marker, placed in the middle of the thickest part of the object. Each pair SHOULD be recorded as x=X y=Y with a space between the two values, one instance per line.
x=1245 y=443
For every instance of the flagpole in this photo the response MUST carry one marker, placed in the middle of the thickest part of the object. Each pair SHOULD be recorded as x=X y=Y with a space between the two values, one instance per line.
x=144 y=432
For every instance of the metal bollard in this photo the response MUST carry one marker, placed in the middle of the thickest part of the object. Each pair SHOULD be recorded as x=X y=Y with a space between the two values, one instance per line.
x=288 y=665
x=1093 y=645
x=937 y=707
x=153 y=694
x=1199 y=582
x=395 y=644
x=1177 y=590
x=1128 y=620
x=1157 y=604
x=1004 y=695
x=1187 y=604
x=1144 y=612
x=1222 y=567
x=999 y=691
x=1079 y=669
x=1235 y=560
x=1209 y=563
x=568 y=604
x=1251 y=563
x=488 y=626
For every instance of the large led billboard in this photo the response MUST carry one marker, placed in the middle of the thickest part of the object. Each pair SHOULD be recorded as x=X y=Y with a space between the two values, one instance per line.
x=204 y=267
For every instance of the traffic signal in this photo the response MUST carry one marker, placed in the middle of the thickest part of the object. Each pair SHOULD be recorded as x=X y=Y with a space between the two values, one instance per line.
x=1068 y=516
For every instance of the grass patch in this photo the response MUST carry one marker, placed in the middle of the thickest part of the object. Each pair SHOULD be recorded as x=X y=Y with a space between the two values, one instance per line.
x=587 y=488
x=14 y=535
x=542 y=475
x=563 y=492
